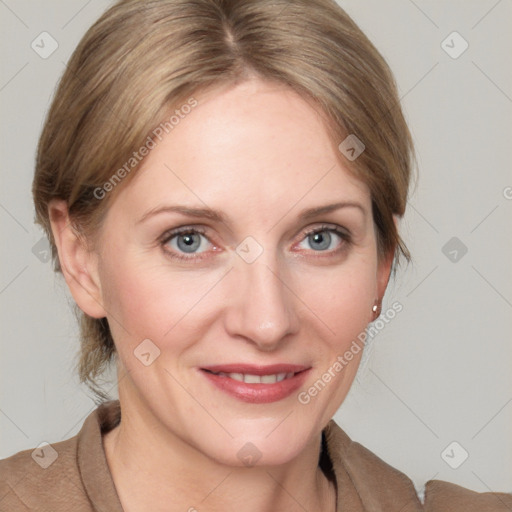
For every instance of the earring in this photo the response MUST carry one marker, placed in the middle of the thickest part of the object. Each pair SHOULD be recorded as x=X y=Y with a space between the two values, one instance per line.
x=376 y=309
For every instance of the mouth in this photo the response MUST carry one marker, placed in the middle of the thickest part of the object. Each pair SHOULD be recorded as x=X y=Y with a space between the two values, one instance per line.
x=257 y=384
x=249 y=378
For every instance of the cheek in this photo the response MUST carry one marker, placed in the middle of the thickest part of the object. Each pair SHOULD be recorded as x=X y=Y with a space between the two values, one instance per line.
x=342 y=310
x=130 y=299
x=145 y=300
x=342 y=299
x=343 y=305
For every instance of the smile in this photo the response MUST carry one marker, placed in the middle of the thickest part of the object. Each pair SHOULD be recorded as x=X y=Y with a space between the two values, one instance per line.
x=257 y=379
x=257 y=384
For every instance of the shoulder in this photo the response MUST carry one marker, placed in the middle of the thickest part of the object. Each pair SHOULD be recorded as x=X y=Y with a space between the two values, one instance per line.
x=444 y=496
x=380 y=486
x=50 y=476
x=68 y=475
x=44 y=478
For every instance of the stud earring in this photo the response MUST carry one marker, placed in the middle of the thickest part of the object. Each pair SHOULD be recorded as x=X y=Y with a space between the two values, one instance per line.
x=376 y=309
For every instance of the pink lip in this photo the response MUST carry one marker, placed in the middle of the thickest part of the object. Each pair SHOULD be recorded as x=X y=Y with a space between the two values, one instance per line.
x=256 y=369
x=257 y=393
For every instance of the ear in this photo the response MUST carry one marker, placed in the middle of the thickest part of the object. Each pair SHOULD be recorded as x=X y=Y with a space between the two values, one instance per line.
x=78 y=263
x=384 y=272
x=384 y=267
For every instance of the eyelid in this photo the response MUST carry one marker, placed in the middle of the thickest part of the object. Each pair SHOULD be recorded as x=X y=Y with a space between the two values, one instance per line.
x=171 y=233
x=333 y=228
x=343 y=233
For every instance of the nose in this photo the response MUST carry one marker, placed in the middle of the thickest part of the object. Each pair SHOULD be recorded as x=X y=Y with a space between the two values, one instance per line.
x=262 y=309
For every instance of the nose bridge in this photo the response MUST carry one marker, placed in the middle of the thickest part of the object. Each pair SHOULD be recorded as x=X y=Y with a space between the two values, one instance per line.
x=263 y=308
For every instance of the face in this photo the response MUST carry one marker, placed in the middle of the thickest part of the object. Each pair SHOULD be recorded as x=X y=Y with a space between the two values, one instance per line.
x=234 y=269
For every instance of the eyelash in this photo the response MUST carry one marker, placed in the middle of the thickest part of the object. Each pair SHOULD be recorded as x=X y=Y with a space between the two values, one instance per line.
x=191 y=230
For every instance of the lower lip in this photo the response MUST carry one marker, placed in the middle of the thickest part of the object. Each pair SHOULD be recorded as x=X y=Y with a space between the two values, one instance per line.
x=257 y=393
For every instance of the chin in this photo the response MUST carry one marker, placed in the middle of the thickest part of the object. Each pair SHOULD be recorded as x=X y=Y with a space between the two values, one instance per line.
x=259 y=442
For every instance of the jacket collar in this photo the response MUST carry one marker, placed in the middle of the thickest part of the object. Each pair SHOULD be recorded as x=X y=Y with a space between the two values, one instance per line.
x=363 y=481
x=92 y=461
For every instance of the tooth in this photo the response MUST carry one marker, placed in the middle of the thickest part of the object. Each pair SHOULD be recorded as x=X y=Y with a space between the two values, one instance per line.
x=252 y=379
x=237 y=376
x=268 y=379
x=280 y=377
x=290 y=375
x=222 y=374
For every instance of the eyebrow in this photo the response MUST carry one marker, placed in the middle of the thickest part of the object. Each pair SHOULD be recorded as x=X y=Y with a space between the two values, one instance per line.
x=218 y=216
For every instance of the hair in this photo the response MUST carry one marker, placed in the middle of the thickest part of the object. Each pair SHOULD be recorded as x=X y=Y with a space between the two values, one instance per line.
x=143 y=58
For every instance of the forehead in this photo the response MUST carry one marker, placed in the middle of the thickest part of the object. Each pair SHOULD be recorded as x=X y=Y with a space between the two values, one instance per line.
x=253 y=146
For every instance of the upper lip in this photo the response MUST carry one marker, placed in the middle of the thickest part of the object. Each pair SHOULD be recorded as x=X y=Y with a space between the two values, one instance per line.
x=252 y=369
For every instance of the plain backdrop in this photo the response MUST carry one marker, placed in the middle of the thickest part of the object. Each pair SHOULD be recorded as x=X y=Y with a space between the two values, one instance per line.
x=435 y=386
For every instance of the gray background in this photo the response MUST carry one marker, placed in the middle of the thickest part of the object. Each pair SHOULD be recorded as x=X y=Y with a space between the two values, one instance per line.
x=440 y=371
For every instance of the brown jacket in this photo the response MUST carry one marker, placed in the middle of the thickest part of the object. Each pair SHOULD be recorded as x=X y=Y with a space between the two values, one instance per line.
x=73 y=476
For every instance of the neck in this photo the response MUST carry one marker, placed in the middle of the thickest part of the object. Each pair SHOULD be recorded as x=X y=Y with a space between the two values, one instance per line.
x=154 y=470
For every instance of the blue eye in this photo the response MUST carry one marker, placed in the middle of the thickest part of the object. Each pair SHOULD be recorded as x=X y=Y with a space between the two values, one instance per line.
x=324 y=239
x=191 y=243
x=188 y=242
x=179 y=243
x=320 y=241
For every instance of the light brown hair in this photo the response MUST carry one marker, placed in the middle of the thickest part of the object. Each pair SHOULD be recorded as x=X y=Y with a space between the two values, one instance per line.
x=144 y=58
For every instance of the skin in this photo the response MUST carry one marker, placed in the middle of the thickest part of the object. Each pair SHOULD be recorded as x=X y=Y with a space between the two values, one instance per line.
x=260 y=154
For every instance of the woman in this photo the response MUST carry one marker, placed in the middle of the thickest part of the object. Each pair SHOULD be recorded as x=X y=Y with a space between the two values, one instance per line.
x=234 y=304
